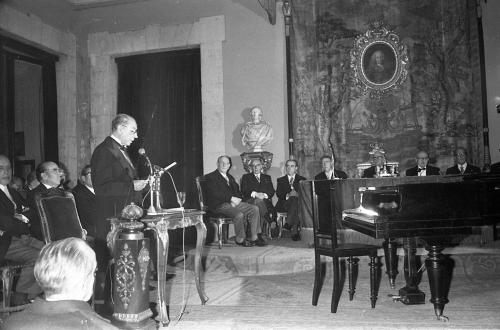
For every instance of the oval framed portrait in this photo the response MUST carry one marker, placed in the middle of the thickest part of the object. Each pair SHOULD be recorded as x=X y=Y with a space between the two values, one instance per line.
x=379 y=61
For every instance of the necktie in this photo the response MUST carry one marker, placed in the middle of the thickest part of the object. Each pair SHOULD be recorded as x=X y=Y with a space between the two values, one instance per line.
x=258 y=178
x=462 y=169
x=291 y=181
x=125 y=154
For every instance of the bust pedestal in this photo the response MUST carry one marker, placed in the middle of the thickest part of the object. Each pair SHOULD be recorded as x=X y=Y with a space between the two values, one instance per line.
x=248 y=157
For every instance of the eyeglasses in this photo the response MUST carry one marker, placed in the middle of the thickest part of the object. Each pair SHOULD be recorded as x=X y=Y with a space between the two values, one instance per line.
x=133 y=131
x=53 y=170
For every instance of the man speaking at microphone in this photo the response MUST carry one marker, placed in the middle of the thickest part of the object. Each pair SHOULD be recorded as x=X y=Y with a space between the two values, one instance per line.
x=115 y=180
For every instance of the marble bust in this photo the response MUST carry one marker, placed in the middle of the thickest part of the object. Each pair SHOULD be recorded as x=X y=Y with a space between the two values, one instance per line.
x=256 y=133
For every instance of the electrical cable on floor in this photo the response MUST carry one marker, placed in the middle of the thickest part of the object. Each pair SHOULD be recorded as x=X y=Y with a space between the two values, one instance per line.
x=184 y=301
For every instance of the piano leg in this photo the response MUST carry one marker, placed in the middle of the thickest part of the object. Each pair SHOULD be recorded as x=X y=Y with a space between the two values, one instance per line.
x=410 y=294
x=439 y=271
x=391 y=260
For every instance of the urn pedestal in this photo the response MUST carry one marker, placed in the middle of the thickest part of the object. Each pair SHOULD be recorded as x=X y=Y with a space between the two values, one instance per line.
x=131 y=278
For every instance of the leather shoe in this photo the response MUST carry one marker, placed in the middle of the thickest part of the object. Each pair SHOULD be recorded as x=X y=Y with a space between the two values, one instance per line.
x=18 y=299
x=259 y=241
x=275 y=231
x=245 y=243
x=287 y=226
x=296 y=237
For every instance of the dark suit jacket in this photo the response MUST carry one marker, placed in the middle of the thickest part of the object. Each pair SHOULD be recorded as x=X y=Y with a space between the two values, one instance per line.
x=495 y=168
x=249 y=183
x=85 y=204
x=113 y=181
x=283 y=188
x=8 y=224
x=470 y=169
x=217 y=191
x=57 y=315
x=338 y=174
x=35 y=223
x=429 y=170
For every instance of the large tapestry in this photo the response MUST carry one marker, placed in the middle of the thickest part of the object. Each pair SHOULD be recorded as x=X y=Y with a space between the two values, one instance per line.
x=341 y=103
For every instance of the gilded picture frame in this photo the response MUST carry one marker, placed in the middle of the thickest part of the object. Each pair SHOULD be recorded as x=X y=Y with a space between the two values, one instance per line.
x=379 y=61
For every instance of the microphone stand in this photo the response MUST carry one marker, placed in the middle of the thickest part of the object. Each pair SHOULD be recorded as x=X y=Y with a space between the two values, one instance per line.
x=154 y=181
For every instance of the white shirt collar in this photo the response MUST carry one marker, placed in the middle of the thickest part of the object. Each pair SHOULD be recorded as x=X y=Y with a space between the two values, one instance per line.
x=47 y=186
x=116 y=139
x=89 y=188
x=4 y=188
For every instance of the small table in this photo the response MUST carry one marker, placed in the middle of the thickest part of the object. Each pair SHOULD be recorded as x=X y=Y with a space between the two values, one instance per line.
x=160 y=224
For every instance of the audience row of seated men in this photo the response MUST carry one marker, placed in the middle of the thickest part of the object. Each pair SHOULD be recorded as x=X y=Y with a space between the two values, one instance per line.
x=21 y=235
x=257 y=190
x=422 y=168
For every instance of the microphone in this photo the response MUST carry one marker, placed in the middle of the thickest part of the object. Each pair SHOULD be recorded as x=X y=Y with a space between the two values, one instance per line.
x=142 y=152
x=170 y=166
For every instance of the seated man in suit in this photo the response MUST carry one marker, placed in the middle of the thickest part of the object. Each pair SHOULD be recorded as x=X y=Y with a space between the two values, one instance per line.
x=422 y=168
x=257 y=189
x=65 y=270
x=461 y=166
x=15 y=243
x=329 y=172
x=85 y=198
x=223 y=196
x=49 y=175
x=287 y=190
x=379 y=165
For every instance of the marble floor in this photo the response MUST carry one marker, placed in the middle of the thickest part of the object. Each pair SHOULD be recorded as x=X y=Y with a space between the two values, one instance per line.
x=271 y=288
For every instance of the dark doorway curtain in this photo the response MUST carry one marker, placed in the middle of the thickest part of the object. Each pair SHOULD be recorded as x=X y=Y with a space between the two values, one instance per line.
x=162 y=92
x=13 y=52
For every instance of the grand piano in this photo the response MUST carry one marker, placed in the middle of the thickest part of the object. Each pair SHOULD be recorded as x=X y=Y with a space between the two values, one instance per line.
x=433 y=210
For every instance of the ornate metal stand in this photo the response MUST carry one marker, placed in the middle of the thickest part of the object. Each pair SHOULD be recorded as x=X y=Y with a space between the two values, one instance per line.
x=131 y=278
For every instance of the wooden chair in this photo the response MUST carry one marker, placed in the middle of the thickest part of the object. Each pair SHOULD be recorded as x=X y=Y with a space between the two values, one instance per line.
x=59 y=218
x=9 y=270
x=58 y=215
x=218 y=219
x=325 y=243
